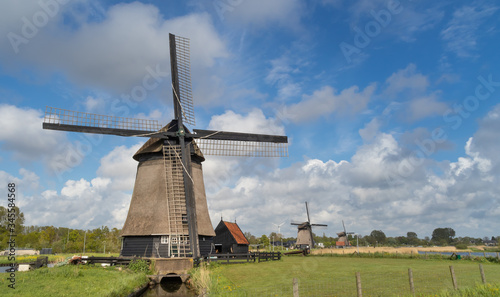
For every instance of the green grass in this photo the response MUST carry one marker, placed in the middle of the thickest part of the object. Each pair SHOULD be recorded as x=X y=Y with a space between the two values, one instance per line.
x=335 y=276
x=72 y=280
x=4 y=260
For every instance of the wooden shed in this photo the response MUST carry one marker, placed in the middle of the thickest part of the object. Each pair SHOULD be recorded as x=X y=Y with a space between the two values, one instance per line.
x=229 y=238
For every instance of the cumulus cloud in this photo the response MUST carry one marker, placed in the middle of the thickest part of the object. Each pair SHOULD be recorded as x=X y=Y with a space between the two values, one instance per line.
x=406 y=80
x=223 y=171
x=412 y=88
x=23 y=137
x=101 y=201
x=115 y=53
x=327 y=100
x=383 y=186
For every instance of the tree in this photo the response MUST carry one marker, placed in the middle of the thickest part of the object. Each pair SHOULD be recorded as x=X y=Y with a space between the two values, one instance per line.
x=264 y=240
x=379 y=236
x=443 y=235
x=412 y=238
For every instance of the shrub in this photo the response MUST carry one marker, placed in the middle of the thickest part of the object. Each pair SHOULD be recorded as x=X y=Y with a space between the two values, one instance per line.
x=461 y=246
x=138 y=265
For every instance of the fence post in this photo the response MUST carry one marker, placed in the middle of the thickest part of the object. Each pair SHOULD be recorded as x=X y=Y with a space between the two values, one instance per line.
x=358 y=284
x=410 y=276
x=295 y=287
x=484 y=254
x=453 y=278
x=498 y=256
x=425 y=255
x=483 y=277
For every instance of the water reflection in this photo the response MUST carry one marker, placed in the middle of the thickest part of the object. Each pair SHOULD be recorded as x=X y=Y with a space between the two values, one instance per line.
x=172 y=286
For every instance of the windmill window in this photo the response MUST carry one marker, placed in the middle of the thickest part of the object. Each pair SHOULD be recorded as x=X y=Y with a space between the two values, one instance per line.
x=184 y=219
x=164 y=239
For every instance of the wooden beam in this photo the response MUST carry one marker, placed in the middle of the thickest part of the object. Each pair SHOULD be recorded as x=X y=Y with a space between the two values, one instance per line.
x=222 y=135
x=108 y=131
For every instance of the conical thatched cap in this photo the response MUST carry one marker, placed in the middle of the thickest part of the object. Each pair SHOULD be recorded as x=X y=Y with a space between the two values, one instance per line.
x=155 y=145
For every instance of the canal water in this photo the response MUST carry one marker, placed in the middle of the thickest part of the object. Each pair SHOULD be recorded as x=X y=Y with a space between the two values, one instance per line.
x=4 y=268
x=169 y=287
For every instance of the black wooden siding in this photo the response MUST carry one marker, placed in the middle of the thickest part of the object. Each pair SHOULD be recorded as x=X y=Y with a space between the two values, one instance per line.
x=151 y=246
x=223 y=236
x=139 y=246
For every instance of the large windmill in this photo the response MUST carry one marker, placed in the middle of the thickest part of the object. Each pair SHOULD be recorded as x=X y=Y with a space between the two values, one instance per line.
x=343 y=240
x=168 y=214
x=305 y=240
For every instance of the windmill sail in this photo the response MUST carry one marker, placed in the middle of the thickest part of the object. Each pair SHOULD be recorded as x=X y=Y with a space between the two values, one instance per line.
x=76 y=121
x=180 y=64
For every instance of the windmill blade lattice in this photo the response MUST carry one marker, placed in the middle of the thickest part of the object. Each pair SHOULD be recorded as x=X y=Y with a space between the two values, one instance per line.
x=183 y=70
x=242 y=148
x=76 y=121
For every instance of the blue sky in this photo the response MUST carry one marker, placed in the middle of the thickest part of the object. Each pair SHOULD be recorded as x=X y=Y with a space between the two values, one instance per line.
x=391 y=108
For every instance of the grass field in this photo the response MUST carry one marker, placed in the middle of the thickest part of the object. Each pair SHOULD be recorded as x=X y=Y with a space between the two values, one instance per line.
x=72 y=280
x=4 y=260
x=335 y=276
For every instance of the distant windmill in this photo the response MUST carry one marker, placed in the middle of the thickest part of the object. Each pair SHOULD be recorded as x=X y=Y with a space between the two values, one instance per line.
x=168 y=214
x=305 y=240
x=343 y=240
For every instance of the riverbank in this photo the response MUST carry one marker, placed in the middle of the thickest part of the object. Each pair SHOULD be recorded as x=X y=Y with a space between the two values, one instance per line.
x=70 y=280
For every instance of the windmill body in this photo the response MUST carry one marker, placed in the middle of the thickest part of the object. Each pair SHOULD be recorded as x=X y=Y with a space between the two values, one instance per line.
x=305 y=239
x=343 y=240
x=168 y=214
x=162 y=230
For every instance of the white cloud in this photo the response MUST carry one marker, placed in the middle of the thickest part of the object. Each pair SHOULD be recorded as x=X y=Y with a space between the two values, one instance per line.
x=102 y=201
x=254 y=122
x=326 y=101
x=119 y=166
x=104 y=54
x=426 y=106
x=358 y=189
x=22 y=135
x=406 y=80
x=412 y=88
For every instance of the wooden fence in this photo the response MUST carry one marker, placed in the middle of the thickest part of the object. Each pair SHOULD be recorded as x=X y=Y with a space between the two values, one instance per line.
x=411 y=287
x=243 y=258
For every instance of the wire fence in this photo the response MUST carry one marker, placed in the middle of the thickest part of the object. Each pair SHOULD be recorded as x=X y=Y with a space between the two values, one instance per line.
x=400 y=283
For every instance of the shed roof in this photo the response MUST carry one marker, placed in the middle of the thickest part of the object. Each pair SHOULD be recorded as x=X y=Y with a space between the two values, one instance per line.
x=236 y=232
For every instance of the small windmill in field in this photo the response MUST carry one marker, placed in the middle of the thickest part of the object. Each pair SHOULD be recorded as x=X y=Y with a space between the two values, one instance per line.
x=168 y=214
x=305 y=240
x=343 y=240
